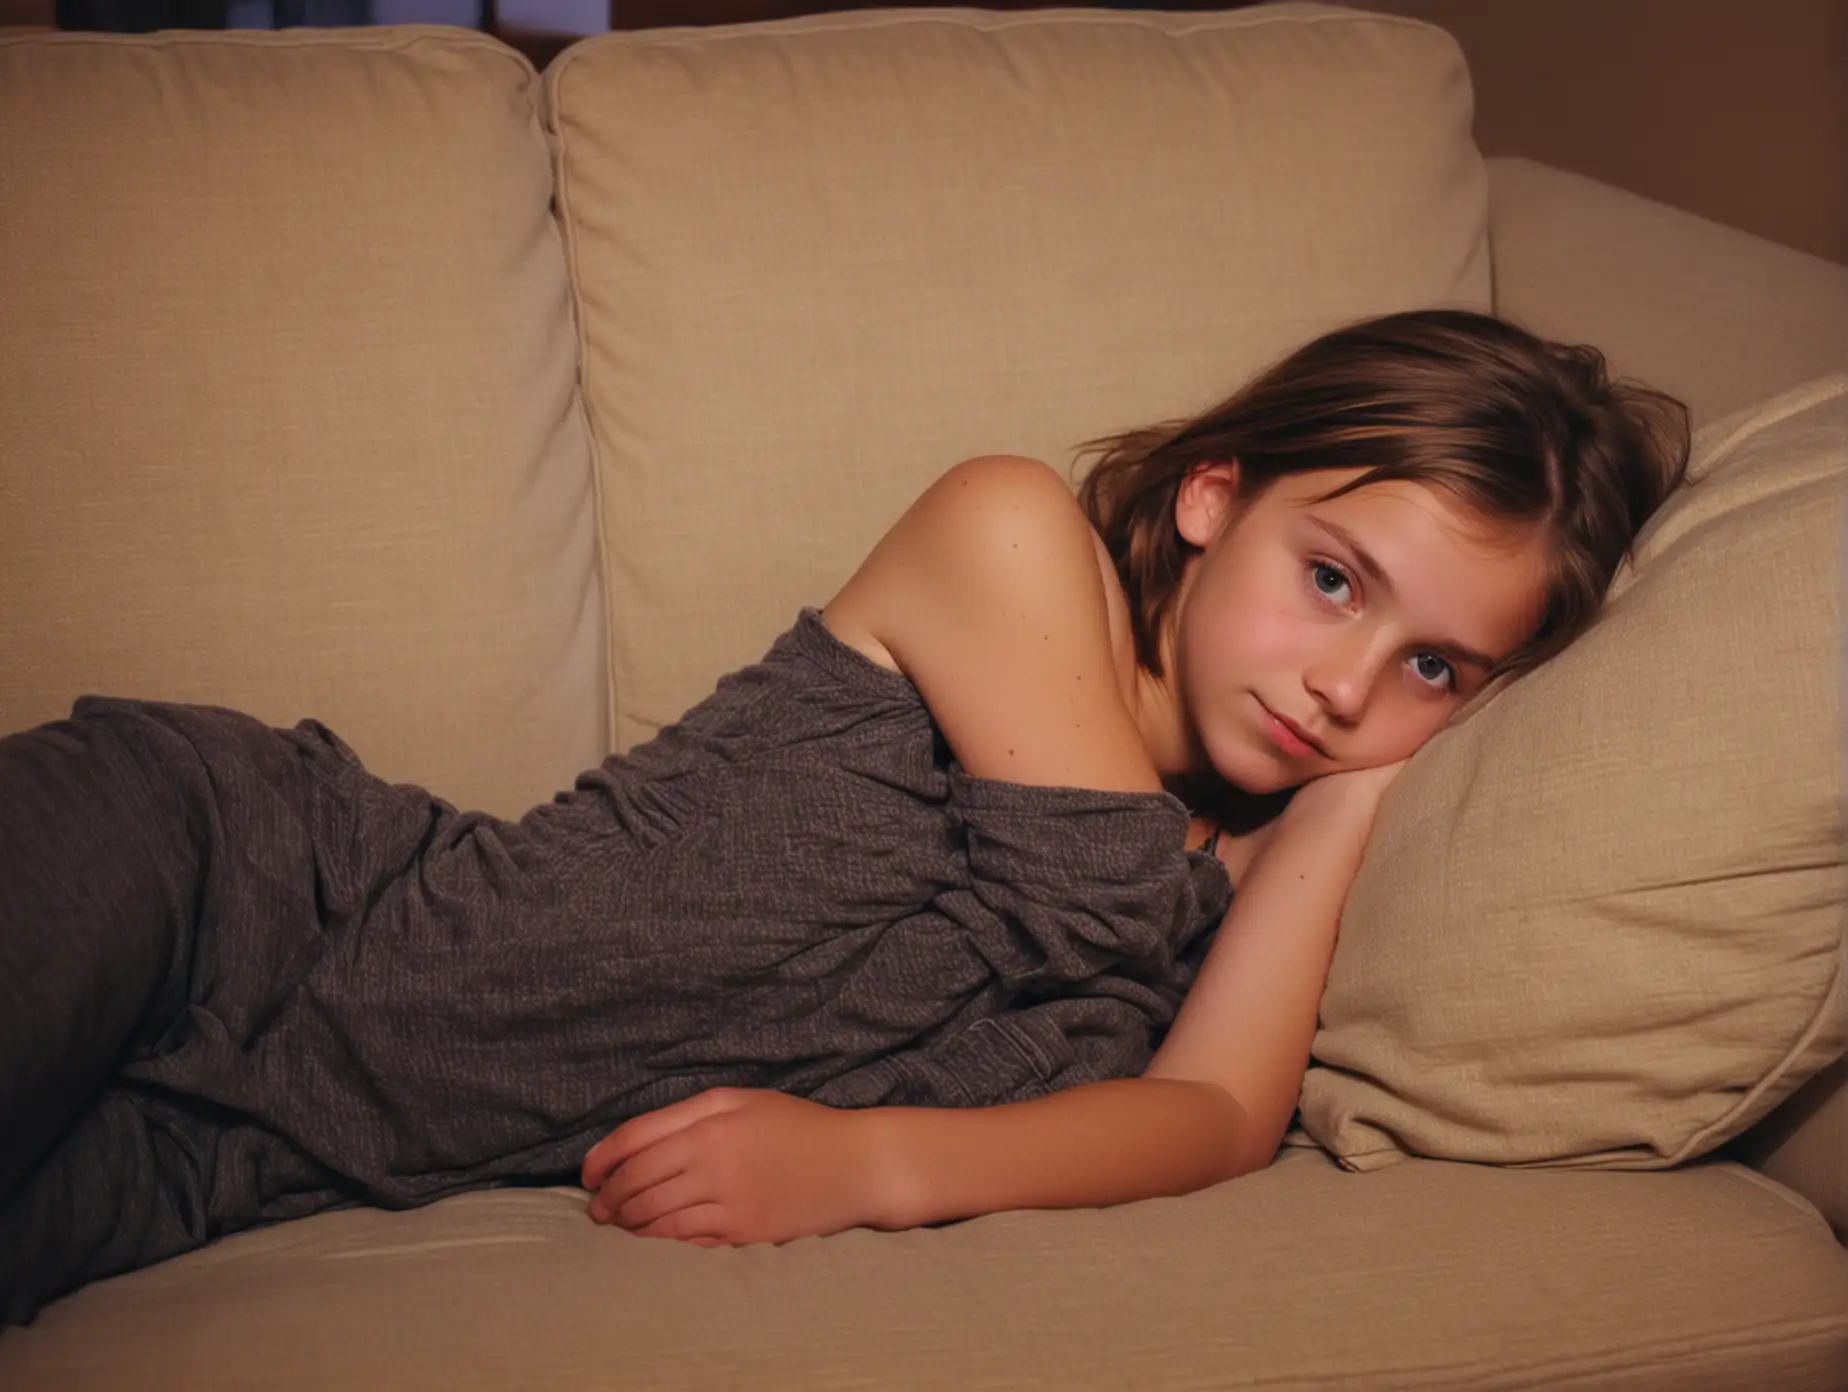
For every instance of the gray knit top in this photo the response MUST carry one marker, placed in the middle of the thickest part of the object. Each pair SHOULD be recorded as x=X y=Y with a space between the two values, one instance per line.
x=794 y=886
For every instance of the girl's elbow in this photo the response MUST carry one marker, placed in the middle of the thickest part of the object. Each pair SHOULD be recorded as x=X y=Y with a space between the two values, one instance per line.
x=1253 y=1157
x=1235 y=1144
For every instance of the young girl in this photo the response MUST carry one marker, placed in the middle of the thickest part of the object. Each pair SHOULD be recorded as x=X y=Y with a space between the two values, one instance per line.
x=896 y=925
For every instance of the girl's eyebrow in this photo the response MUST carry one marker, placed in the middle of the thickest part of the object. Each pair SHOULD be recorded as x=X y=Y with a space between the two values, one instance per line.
x=1377 y=574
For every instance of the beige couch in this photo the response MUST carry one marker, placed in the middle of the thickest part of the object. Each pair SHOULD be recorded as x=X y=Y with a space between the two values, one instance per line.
x=488 y=419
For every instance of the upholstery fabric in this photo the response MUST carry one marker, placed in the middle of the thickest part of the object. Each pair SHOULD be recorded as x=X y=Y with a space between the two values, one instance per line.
x=1428 y=1277
x=1724 y=320
x=1601 y=920
x=1718 y=317
x=818 y=262
x=1804 y=1144
x=288 y=387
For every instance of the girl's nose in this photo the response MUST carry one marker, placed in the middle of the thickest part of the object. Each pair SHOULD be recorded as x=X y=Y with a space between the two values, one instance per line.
x=1342 y=677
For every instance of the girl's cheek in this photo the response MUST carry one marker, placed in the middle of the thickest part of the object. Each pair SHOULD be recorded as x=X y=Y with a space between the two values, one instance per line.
x=1422 y=723
x=1280 y=629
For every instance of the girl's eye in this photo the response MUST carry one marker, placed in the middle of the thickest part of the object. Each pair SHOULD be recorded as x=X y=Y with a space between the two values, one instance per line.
x=1330 y=581
x=1433 y=669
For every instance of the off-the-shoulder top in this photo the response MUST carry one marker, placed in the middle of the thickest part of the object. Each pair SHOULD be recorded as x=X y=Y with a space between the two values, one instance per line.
x=794 y=886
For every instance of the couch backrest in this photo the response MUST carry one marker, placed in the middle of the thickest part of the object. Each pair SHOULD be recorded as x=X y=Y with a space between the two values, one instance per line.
x=288 y=397
x=820 y=261
x=289 y=382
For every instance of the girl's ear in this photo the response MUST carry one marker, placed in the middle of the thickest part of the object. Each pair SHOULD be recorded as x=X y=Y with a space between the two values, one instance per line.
x=1206 y=501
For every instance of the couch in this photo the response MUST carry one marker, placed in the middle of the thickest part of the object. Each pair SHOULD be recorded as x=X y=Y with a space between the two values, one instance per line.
x=490 y=417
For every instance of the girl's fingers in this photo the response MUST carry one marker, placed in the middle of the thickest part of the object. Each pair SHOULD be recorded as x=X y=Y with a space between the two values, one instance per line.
x=703 y=1223
x=655 y=1202
x=655 y=1165
x=638 y=1133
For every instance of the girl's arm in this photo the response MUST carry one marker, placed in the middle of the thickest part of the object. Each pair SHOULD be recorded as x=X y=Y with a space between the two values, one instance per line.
x=1218 y=1096
x=737 y=1165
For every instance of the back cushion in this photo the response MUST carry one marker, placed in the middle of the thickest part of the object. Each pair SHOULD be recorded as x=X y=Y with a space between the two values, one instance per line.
x=288 y=407
x=1600 y=922
x=820 y=261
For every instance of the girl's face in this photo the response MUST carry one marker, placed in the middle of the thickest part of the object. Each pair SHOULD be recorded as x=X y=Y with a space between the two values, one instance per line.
x=1312 y=637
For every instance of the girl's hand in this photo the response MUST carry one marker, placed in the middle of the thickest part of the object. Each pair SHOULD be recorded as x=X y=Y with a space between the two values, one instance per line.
x=1351 y=796
x=737 y=1165
x=1349 y=790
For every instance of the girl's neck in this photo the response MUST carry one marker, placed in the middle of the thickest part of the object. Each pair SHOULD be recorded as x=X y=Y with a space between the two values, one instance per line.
x=1162 y=720
x=1166 y=732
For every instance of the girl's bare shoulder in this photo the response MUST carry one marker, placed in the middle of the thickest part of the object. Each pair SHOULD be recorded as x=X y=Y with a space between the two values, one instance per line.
x=995 y=596
x=847 y=615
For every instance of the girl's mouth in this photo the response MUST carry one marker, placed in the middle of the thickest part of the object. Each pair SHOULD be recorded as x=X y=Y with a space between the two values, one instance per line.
x=1287 y=737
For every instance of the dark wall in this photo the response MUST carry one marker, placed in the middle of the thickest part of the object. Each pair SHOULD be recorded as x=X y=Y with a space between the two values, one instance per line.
x=1735 y=109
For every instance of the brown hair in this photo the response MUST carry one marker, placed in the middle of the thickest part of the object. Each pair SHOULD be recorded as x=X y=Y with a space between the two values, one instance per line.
x=1519 y=429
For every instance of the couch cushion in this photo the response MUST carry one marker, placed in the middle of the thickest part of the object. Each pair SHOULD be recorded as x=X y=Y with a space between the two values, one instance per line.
x=818 y=262
x=1601 y=919
x=288 y=398
x=1426 y=1276
x=1804 y=1144
x=1718 y=317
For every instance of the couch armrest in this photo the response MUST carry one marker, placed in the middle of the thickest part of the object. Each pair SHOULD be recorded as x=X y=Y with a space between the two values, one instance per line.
x=1716 y=316
x=1803 y=1144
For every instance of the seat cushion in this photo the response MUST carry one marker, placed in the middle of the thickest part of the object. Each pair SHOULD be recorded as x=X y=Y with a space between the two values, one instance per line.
x=288 y=391
x=818 y=262
x=1601 y=919
x=1425 y=1276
